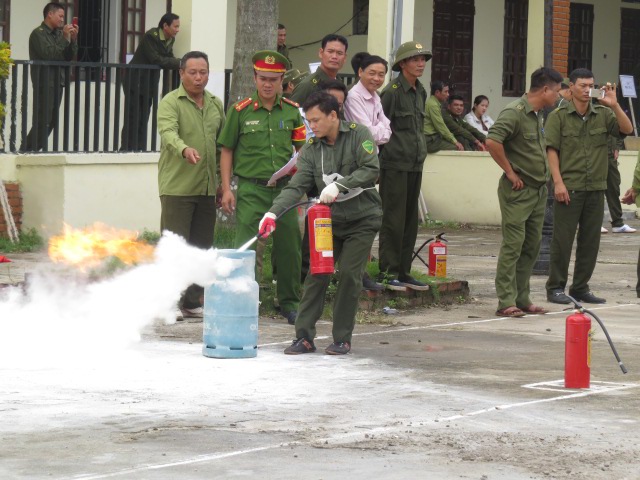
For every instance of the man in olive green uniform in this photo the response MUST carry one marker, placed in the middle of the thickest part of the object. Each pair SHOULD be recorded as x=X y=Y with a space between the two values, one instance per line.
x=282 y=42
x=258 y=139
x=288 y=81
x=141 y=85
x=436 y=133
x=340 y=159
x=516 y=143
x=577 y=136
x=51 y=41
x=189 y=121
x=401 y=161
x=633 y=195
x=470 y=138
x=612 y=193
x=333 y=54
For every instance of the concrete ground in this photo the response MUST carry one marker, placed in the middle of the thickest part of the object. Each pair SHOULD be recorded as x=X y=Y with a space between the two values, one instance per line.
x=443 y=392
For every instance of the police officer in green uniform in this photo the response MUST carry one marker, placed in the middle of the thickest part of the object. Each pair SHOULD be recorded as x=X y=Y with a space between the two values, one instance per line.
x=333 y=54
x=51 y=41
x=436 y=133
x=401 y=161
x=577 y=136
x=287 y=82
x=140 y=86
x=258 y=139
x=470 y=137
x=340 y=159
x=516 y=143
x=282 y=42
x=633 y=196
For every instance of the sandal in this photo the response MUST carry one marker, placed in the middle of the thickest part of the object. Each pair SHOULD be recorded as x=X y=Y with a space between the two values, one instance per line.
x=534 y=310
x=510 y=312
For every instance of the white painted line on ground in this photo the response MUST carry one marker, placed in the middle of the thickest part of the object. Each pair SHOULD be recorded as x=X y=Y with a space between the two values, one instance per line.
x=596 y=385
x=452 y=324
x=353 y=435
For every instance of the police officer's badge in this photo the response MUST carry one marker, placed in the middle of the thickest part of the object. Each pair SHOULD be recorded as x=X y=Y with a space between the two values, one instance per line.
x=368 y=146
x=270 y=60
x=419 y=46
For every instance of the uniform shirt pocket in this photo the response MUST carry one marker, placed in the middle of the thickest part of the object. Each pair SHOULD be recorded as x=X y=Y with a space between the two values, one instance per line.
x=530 y=135
x=598 y=136
x=249 y=129
x=404 y=120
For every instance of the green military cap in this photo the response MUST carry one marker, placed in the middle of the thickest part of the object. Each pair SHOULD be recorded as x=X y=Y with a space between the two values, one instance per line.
x=290 y=75
x=565 y=82
x=270 y=62
x=299 y=78
x=408 y=50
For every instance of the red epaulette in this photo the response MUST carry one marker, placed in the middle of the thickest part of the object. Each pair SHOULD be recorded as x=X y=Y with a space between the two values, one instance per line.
x=290 y=102
x=242 y=104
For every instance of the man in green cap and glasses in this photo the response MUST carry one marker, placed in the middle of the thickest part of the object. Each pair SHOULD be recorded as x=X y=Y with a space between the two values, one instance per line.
x=259 y=138
x=401 y=161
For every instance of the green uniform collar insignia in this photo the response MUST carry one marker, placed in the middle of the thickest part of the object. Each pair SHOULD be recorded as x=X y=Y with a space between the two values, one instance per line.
x=368 y=146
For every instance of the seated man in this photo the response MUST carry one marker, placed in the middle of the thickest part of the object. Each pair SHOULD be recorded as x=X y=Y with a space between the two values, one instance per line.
x=470 y=138
x=436 y=133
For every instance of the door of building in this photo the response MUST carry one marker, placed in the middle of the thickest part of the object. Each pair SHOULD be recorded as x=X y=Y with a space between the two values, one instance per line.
x=453 y=45
x=630 y=49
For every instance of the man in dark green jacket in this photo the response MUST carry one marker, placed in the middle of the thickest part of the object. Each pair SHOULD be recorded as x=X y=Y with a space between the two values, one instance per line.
x=51 y=41
x=141 y=85
x=470 y=138
x=401 y=161
x=340 y=159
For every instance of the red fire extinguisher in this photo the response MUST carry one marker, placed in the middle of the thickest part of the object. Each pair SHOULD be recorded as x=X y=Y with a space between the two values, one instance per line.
x=438 y=257
x=577 y=352
x=320 y=240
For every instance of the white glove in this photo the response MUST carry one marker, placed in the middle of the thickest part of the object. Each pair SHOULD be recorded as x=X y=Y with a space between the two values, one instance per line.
x=267 y=224
x=329 y=193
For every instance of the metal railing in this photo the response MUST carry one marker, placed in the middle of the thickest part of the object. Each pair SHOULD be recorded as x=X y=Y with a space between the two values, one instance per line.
x=87 y=107
x=82 y=107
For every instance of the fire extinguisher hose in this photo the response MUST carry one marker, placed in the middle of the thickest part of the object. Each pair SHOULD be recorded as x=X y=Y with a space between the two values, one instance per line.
x=581 y=309
x=291 y=207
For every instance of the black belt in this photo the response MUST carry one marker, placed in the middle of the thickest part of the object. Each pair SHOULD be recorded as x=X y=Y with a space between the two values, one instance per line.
x=281 y=182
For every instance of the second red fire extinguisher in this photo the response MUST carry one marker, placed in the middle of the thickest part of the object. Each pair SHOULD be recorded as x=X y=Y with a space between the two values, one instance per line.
x=438 y=257
x=320 y=240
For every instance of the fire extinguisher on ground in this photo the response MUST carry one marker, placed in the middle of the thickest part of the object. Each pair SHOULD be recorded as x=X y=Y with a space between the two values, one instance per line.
x=577 y=366
x=438 y=257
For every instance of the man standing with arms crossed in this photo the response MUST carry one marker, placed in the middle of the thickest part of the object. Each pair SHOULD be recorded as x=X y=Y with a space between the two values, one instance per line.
x=258 y=139
x=401 y=161
x=517 y=144
x=141 y=85
x=189 y=121
x=577 y=137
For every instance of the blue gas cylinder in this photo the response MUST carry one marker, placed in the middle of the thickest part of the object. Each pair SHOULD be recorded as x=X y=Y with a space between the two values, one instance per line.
x=230 y=324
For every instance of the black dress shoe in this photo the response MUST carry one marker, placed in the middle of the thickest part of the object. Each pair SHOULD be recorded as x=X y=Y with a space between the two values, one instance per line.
x=369 y=284
x=412 y=281
x=290 y=316
x=558 y=296
x=587 y=298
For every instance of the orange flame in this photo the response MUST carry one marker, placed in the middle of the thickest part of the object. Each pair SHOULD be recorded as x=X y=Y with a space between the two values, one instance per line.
x=88 y=247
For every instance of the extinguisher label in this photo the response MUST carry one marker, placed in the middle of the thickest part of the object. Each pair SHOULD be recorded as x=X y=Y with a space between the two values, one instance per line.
x=589 y=335
x=439 y=250
x=441 y=266
x=324 y=235
x=327 y=253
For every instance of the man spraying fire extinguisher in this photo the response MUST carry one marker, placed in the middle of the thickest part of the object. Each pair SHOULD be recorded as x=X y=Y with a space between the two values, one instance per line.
x=341 y=161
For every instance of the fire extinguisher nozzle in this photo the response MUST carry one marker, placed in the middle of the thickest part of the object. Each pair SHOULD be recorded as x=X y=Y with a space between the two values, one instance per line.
x=622 y=367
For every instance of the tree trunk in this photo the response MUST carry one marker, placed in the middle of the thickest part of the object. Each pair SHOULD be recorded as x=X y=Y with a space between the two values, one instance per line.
x=256 y=29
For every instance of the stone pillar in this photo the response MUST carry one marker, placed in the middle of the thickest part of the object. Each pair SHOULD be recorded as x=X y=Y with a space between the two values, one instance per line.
x=535 y=37
x=203 y=26
x=384 y=35
x=560 y=29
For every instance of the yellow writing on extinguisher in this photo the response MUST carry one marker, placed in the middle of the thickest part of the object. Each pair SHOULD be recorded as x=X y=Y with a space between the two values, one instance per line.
x=441 y=265
x=589 y=335
x=323 y=234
